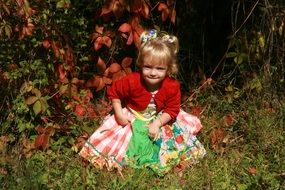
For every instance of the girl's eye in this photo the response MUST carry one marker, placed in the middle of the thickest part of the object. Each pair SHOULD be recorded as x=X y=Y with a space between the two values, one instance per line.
x=146 y=67
x=161 y=68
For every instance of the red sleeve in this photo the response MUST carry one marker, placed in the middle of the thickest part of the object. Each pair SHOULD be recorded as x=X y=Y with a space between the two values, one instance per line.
x=119 y=89
x=172 y=104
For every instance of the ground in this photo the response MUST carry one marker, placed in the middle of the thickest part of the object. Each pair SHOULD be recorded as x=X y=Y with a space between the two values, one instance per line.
x=245 y=150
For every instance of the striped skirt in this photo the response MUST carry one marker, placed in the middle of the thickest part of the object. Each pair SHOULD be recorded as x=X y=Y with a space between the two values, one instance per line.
x=114 y=146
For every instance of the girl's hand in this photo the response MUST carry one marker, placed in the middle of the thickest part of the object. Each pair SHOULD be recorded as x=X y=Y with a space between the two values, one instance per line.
x=153 y=131
x=122 y=120
x=119 y=116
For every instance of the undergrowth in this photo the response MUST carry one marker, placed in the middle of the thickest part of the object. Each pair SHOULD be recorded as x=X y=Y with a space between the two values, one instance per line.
x=244 y=141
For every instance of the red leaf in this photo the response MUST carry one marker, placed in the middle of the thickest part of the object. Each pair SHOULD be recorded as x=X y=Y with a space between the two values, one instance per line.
x=114 y=68
x=125 y=28
x=127 y=62
x=75 y=97
x=98 y=43
x=42 y=141
x=89 y=94
x=107 y=80
x=62 y=72
x=162 y=7
x=179 y=168
x=74 y=90
x=40 y=129
x=91 y=111
x=217 y=136
x=138 y=29
x=12 y=66
x=164 y=15
x=135 y=22
x=145 y=10
x=228 y=120
x=97 y=82
x=46 y=43
x=3 y=171
x=49 y=130
x=252 y=170
x=107 y=41
x=196 y=111
x=77 y=81
x=130 y=39
x=101 y=65
x=55 y=47
x=29 y=28
x=92 y=82
x=101 y=84
x=173 y=16
x=95 y=35
x=44 y=119
x=128 y=70
x=107 y=8
x=79 y=110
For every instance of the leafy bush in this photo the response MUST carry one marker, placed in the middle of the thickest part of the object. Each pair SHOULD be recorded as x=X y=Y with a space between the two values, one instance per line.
x=58 y=55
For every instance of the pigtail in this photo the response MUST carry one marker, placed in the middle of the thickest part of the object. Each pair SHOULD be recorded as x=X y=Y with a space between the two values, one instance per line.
x=173 y=44
x=172 y=41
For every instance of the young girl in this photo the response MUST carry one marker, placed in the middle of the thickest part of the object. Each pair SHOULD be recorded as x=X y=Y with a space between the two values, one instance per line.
x=148 y=128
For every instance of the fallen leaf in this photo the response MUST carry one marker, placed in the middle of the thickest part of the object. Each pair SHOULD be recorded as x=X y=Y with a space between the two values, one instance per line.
x=252 y=170
x=228 y=120
x=196 y=111
x=217 y=136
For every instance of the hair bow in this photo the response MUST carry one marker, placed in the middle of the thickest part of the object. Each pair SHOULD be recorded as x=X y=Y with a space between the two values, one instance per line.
x=168 y=38
x=148 y=35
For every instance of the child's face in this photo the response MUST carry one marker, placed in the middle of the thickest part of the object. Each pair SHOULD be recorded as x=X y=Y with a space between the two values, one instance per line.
x=153 y=74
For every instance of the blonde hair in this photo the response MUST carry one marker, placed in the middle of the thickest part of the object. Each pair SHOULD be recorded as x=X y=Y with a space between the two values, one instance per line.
x=162 y=48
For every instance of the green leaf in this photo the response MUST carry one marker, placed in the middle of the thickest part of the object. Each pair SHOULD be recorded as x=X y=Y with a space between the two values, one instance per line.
x=60 y=4
x=229 y=88
x=239 y=59
x=63 y=4
x=36 y=92
x=231 y=54
x=242 y=186
x=37 y=107
x=30 y=100
x=261 y=41
x=63 y=89
x=8 y=30
x=44 y=104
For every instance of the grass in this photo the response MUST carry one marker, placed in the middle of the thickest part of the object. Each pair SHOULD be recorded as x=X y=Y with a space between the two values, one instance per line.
x=248 y=154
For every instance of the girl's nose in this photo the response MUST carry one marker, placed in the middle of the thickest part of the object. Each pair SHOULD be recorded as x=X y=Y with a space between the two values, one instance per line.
x=153 y=72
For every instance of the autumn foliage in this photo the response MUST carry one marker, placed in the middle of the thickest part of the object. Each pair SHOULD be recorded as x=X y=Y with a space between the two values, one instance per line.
x=58 y=59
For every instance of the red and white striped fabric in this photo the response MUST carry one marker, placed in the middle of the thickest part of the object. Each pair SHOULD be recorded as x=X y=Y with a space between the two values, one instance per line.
x=110 y=140
x=192 y=122
x=107 y=146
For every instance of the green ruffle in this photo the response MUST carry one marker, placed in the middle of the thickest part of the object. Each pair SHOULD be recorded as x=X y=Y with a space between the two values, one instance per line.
x=141 y=150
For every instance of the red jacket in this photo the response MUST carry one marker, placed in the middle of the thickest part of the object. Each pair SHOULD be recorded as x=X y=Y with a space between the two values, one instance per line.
x=132 y=91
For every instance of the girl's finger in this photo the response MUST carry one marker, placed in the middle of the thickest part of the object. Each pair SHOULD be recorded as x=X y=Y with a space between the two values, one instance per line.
x=156 y=137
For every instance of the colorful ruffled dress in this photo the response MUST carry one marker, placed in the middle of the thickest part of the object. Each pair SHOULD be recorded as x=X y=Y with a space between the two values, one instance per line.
x=114 y=146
